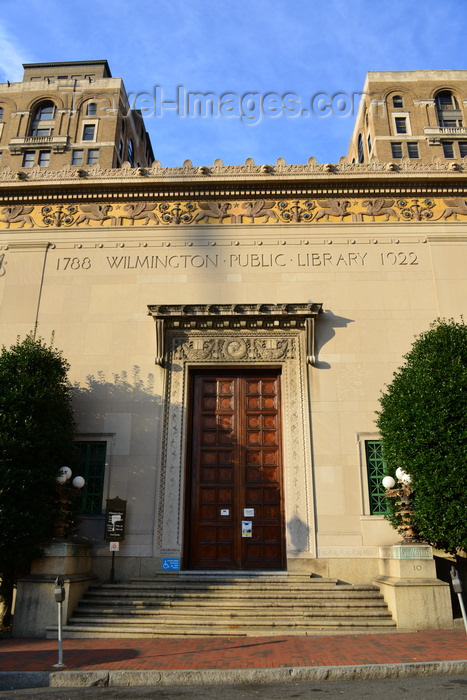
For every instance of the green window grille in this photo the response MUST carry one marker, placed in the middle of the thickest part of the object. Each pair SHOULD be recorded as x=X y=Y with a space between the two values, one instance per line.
x=376 y=469
x=91 y=466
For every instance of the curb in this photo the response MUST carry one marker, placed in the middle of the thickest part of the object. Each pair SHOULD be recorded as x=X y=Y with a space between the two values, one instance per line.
x=86 y=679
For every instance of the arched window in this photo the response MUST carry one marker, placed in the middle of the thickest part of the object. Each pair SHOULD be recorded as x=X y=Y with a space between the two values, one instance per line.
x=1 y=113
x=447 y=108
x=91 y=109
x=446 y=100
x=42 y=122
x=397 y=102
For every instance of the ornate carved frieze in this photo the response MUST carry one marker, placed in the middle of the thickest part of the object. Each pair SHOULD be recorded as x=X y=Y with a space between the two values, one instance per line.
x=313 y=212
x=239 y=349
x=267 y=320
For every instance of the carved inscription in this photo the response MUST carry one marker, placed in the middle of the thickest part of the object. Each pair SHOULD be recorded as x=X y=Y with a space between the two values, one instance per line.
x=303 y=261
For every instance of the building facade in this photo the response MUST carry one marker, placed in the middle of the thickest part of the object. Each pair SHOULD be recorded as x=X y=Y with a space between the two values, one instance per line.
x=230 y=328
x=419 y=115
x=70 y=114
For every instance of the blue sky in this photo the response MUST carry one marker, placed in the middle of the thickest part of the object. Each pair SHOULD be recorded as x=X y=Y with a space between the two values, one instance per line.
x=284 y=52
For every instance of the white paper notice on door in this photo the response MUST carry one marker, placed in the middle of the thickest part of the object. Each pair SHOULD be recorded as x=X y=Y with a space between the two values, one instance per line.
x=247 y=528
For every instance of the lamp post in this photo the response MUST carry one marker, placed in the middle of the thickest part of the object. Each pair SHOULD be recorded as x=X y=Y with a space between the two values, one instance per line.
x=65 y=494
x=403 y=492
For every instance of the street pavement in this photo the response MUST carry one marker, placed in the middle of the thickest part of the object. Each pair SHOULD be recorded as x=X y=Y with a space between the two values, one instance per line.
x=28 y=663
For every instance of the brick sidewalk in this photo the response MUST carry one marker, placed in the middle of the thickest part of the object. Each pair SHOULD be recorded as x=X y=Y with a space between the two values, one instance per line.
x=234 y=653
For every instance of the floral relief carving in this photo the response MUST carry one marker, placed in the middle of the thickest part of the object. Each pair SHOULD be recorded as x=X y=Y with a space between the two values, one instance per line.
x=295 y=211
x=178 y=213
x=416 y=210
x=60 y=215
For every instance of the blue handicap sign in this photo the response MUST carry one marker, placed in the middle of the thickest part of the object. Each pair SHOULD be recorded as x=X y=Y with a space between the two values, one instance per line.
x=170 y=564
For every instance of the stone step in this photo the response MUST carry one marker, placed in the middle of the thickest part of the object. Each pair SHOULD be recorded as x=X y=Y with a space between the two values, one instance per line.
x=166 y=594
x=129 y=631
x=247 y=615
x=256 y=603
x=207 y=604
x=247 y=590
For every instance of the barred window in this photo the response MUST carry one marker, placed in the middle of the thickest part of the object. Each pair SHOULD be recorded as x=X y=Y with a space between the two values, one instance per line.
x=376 y=470
x=91 y=466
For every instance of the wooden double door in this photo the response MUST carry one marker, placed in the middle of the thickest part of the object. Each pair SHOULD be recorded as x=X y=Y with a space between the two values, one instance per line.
x=234 y=513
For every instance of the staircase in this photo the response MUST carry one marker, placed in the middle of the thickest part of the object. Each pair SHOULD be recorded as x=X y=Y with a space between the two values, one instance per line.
x=227 y=604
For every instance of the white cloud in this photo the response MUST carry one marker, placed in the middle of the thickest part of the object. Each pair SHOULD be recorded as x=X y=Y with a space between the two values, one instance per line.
x=12 y=56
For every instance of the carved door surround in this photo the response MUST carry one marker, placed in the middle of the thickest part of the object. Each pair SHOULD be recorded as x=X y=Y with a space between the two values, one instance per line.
x=197 y=336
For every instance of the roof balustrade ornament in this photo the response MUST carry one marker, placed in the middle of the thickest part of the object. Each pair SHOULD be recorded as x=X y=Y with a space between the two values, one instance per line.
x=218 y=169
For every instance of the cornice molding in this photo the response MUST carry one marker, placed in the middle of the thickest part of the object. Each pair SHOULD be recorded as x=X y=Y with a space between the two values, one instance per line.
x=186 y=318
x=231 y=173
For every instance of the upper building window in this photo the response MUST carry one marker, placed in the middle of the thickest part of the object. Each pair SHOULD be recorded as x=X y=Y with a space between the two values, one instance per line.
x=28 y=159
x=1 y=112
x=397 y=102
x=396 y=150
x=93 y=156
x=91 y=109
x=446 y=100
x=449 y=114
x=401 y=125
x=77 y=156
x=463 y=149
x=412 y=150
x=46 y=110
x=89 y=132
x=131 y=153
x=361 y=155
x=44 y=159
x=42 y=122
x=448 y=149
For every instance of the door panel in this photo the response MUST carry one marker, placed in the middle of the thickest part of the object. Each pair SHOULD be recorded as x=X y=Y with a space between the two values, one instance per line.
x=235 y=464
